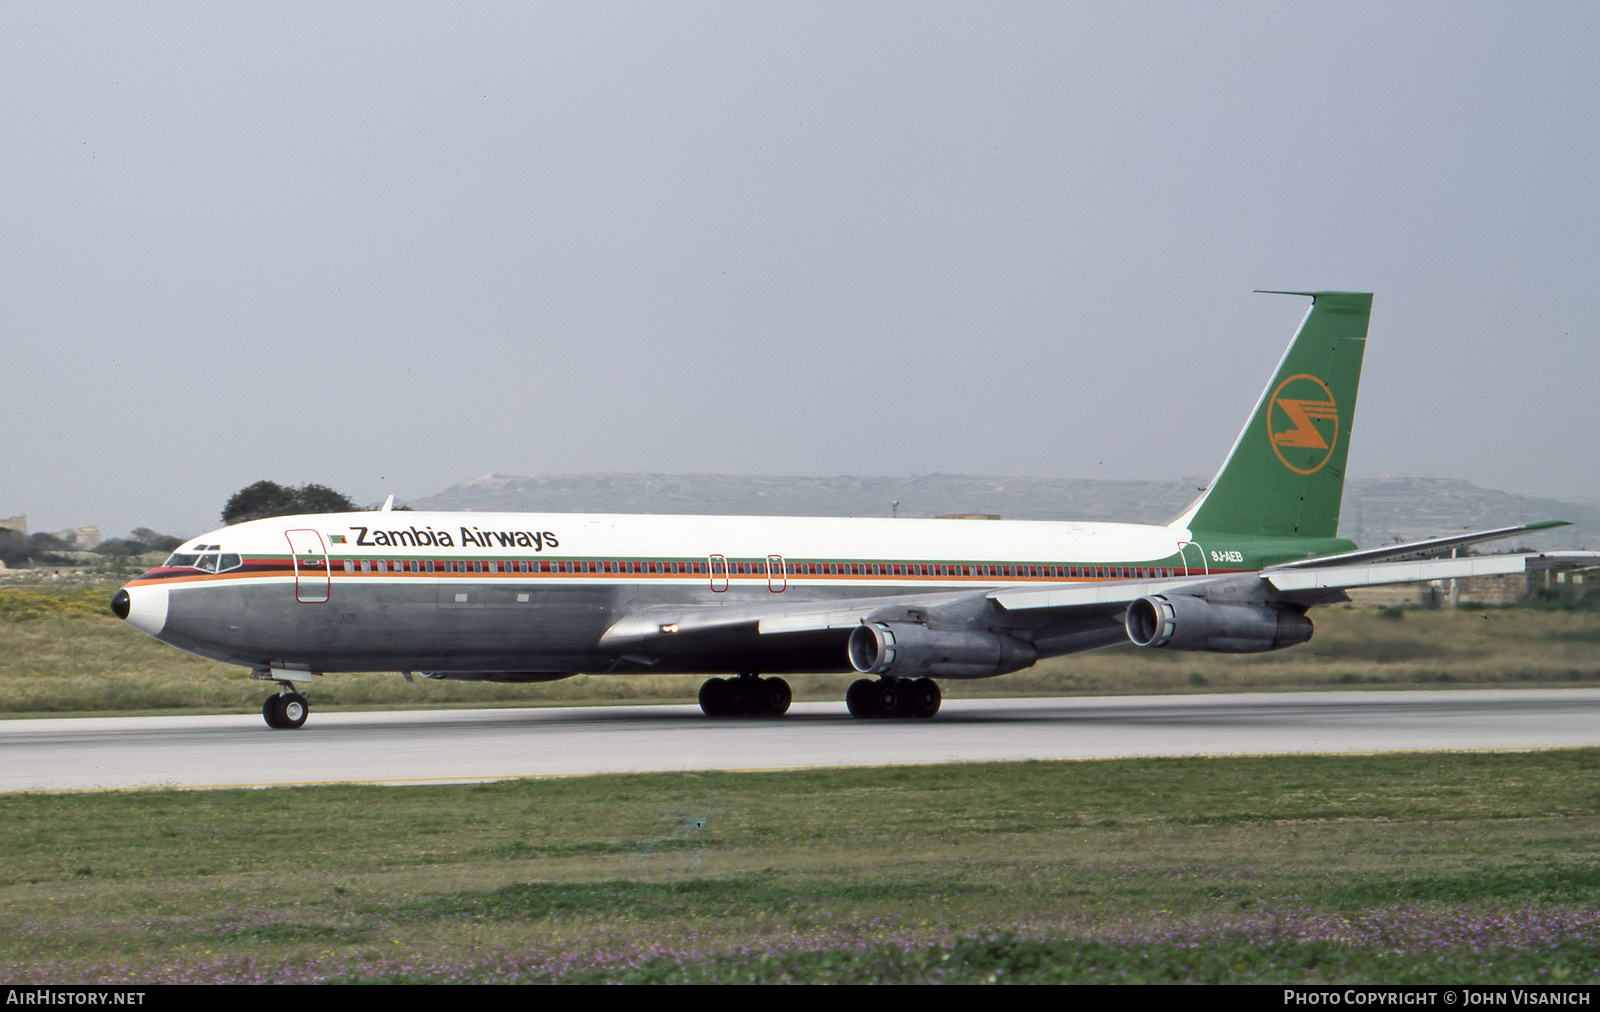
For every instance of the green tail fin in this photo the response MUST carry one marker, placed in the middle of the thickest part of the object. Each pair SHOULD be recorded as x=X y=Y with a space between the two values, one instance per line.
x=1285 y=474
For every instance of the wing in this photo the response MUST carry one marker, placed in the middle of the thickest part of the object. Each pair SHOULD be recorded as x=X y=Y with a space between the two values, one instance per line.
x=976 y=633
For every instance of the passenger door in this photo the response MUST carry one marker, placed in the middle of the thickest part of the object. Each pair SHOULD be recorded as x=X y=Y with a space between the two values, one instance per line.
x=313 y=583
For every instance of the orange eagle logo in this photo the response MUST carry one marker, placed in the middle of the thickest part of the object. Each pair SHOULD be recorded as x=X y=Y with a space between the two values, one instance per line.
x=1303 y=423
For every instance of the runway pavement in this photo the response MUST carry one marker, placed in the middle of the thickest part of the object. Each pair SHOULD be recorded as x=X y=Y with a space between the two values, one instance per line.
x=463 y=746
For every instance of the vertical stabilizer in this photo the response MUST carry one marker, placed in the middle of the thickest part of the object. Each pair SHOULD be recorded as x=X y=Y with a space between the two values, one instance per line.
x=1285 y=474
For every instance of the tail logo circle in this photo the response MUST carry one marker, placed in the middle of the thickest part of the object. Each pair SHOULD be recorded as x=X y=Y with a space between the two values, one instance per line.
x=1303 y=423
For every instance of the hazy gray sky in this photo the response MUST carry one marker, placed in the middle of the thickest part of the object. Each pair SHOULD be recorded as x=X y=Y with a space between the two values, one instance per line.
x=388 y=246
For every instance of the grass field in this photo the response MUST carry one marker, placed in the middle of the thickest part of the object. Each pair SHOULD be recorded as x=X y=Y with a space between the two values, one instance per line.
x=62 y=652
x=1310 y=869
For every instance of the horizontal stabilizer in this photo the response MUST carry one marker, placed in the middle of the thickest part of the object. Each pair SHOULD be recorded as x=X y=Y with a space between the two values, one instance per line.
x=1425 y=549
x=1424 y=570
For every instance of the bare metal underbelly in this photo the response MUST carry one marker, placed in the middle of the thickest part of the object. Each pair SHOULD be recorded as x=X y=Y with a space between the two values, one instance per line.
x=472 y=627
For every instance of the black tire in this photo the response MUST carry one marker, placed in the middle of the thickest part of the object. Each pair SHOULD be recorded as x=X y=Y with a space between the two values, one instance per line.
x=741 y=697
x=858 y=699
x=775 y=697
x=714 y=697
x=887 y=697
x=924 y=698
x=272 y=712
x=293 y=710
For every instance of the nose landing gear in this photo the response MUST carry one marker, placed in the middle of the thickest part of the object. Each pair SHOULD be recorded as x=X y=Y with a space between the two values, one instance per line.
x=289 y=708
x=749 y=695
x=286 y=711
x=893 y=697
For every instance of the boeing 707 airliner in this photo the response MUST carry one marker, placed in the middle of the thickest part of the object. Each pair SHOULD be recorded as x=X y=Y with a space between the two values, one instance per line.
x=516 y=597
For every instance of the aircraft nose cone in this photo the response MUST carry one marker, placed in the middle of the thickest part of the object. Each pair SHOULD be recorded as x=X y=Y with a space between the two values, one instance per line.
x=144 y=608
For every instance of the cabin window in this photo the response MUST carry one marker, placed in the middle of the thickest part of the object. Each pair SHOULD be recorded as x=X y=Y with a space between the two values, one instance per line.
x=366 y=565
x=349 y=565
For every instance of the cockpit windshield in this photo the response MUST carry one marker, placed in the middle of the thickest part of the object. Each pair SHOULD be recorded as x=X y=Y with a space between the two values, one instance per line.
x=208 y=560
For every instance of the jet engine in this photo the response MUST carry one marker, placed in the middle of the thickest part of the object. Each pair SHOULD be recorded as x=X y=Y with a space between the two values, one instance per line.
x=1185 y=622
x=912 y=650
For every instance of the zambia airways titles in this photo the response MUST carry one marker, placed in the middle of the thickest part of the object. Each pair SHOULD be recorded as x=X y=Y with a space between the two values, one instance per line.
x=430 y=538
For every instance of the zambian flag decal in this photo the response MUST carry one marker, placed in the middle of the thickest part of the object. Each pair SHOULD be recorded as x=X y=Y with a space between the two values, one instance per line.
x=337 y=539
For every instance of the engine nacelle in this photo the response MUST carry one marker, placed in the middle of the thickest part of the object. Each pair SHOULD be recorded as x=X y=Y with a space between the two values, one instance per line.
x=911 y=650
x=1185 y=622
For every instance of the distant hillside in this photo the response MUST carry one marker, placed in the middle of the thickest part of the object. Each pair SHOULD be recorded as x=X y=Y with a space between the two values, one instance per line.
x=1376 y=510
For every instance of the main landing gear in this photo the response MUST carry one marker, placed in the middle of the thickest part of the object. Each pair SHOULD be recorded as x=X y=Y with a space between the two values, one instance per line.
x=286 y=711
x=893 y=697
x=749 y=695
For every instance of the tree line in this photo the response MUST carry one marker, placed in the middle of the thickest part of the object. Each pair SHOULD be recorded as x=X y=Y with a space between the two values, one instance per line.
x=253 y=502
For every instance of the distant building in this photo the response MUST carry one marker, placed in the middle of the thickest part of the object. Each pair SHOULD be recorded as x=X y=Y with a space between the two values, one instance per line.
x=18 y=523
x=83 y=539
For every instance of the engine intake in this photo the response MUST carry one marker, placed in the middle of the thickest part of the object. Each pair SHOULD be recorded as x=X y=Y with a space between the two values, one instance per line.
x=911 y=650
x=1184 y=622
